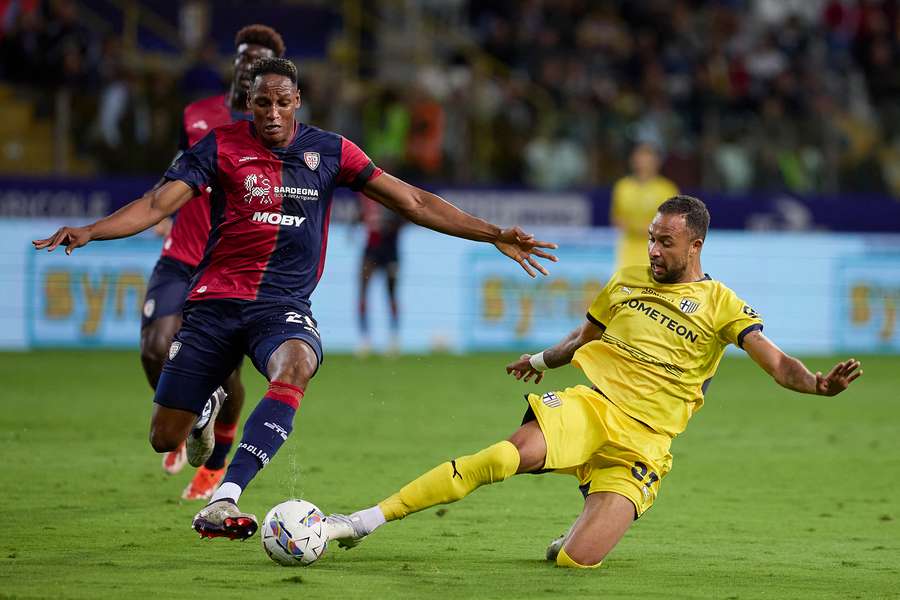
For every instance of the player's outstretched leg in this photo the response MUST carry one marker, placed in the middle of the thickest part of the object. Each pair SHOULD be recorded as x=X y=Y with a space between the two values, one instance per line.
x=603 y=521
x=290 y=368
x=208 y=477
x=523 y=452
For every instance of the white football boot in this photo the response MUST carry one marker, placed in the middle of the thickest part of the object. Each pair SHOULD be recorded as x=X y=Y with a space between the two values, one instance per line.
x=347 y=530
x=200 y=443
x=222 y=518
x=554 y=548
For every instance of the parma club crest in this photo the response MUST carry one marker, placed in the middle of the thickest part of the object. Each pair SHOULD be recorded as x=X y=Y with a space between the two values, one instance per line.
x=312 y=160
x=689 y=305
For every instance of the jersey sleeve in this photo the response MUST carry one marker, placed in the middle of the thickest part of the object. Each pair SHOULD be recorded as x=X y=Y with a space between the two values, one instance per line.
x=599 y=311
x=736 y=319
x=197 y=165
x=357 y=168
x=183 y=140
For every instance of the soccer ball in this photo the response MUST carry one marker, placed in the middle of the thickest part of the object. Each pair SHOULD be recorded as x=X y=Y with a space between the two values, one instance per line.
x=294 y=533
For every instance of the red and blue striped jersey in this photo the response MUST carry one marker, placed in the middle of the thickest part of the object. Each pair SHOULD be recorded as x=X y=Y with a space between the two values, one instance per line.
x=270 y=208
x=187 y=239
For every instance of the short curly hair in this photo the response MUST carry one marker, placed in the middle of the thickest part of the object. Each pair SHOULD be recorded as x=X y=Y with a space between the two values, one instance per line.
x=276 y=66
x=261 y=35
x=696 y=215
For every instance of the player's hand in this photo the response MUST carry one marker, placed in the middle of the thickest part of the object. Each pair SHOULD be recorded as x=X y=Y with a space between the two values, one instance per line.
x=524 y=249
x=70 y=237
x=839 y=378
x=522 y=369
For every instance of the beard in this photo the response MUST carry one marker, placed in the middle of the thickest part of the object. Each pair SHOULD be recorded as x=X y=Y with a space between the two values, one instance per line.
x=670 y=275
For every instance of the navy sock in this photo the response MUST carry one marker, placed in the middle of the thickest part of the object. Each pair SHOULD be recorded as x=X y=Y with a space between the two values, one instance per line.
x=266 y=430
x=224 y=440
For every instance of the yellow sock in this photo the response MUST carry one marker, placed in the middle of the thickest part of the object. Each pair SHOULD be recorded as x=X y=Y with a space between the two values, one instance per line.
x=564 y=560
x=451 y=481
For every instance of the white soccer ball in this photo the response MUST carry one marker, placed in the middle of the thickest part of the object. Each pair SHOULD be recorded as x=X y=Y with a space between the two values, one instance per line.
x=294 y=533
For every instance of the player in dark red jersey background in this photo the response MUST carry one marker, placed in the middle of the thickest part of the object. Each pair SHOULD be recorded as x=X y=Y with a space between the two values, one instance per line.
x=182 y=250
x=272 y=182
x=380 y=254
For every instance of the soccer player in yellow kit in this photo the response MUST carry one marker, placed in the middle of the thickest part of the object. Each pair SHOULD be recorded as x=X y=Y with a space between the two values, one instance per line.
x=634 y=201
x=652 y=341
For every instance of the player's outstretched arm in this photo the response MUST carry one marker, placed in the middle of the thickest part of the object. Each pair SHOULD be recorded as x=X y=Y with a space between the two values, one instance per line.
x=146 y=211
x=431 y=211
x=789 y=372
x=534 y=365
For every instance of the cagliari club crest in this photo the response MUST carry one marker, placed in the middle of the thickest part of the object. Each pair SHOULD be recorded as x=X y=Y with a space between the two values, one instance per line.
x=311 y=159
x=689 y=305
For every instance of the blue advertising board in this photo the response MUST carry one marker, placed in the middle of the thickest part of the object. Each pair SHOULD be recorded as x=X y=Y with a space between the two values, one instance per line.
x=818 y=293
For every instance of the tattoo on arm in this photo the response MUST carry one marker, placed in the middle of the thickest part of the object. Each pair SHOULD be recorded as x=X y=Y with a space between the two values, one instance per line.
x=562 y=353
x=795 y=376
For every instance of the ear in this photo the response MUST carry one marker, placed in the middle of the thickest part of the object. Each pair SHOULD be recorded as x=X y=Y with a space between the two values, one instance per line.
x=297 y=100
x=697 y=246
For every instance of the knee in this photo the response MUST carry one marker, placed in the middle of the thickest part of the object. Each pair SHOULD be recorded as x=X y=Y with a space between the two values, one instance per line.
x=297 y=368
x=154 y=346
x=163 y=439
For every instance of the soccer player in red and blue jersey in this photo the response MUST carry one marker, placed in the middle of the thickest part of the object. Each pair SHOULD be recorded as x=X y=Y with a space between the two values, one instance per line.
x=182 y=250
x=272 y=182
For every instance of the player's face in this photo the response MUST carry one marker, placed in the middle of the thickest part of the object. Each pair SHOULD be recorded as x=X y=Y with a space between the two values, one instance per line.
x=645 y=161
x=672 y=248
x=273 y=101
x=246 y=55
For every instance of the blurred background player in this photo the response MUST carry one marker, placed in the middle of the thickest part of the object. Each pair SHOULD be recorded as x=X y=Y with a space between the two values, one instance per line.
x=182 y=250
x=635 y=199
x=380 y=254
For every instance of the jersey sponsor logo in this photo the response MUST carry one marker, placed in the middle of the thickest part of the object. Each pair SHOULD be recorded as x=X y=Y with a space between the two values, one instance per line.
x=552 y=400
x=653 y=292
x=312 y=160
x=297 y=193
x=750 y=312
x=173 y=350
x=201 y=289
x=625 y=290
x=664 y=320
x=273 y=218
x=201 y=124
x=149 y=307
x=257 y=186
x=244 y=159
x=689 y=305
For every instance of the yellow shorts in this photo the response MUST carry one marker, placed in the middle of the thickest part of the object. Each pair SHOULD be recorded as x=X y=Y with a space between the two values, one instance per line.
x=608 y=451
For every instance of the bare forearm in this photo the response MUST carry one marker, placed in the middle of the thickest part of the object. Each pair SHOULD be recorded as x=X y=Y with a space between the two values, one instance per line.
x=793 y=375
x=433 y=212
x=136 y=216
x=561 y=354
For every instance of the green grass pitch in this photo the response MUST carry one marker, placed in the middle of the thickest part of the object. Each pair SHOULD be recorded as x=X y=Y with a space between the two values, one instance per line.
x=772 y=494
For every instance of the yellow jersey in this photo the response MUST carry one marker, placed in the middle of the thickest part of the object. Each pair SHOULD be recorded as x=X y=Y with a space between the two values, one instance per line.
x=634 y=205
x=662 y=344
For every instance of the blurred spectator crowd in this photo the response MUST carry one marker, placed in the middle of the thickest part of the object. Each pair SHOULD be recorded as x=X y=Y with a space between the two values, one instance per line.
x=796 y=95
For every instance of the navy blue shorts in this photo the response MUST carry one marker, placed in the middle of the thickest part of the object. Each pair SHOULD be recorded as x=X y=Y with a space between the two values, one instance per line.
x=384 y=252
x=167 y=289
x=216 y=334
